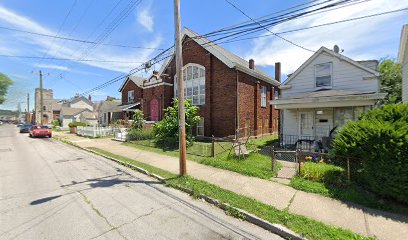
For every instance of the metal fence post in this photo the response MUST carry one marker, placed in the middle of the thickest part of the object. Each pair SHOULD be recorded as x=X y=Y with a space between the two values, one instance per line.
x=212 y=147
x=273 y=159
x=297 y=160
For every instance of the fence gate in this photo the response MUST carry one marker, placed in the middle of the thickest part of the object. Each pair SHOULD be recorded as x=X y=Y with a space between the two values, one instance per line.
x=289 y=161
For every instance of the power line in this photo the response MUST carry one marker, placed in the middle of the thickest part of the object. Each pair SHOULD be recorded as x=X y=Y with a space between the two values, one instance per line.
x=320 y=25
x=76 y=40
x=67 y=59
x=291 y=42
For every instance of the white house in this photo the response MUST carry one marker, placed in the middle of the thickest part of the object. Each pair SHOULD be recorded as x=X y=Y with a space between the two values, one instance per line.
x=71 y=110
x=403 y=60
x=324 y=93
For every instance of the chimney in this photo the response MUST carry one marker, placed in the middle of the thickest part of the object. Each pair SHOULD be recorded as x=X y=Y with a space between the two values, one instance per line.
x=155 y=73
x=251 y=64
x=278 y=71
x=89 y=97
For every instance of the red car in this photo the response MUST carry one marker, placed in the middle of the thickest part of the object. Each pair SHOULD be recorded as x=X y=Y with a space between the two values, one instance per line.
x=40 y=131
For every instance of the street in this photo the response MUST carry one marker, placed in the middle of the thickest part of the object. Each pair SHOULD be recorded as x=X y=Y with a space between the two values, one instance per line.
x=49 y=190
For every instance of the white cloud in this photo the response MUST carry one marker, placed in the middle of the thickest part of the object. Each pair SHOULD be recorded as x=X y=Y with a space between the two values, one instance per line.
x=51 y=66
x=67 y=49
x=145 y=19
x=361 y=39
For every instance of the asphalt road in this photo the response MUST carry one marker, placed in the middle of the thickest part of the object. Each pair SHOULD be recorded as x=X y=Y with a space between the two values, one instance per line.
x=49 y=190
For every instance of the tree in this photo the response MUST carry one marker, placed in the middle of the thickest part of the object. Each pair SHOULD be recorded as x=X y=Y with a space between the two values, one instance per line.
x=391 y=80
x=167 y=130
x=5 y=82
x=138 y=120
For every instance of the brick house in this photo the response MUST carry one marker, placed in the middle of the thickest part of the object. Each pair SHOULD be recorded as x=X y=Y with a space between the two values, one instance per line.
x=230 y=91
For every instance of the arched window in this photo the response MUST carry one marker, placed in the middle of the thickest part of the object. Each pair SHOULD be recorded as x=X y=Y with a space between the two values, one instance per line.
x=194 y=77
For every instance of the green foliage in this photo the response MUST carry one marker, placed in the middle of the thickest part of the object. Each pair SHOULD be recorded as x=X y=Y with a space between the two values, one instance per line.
x=167 y=130
x=76 y=124
x=349 y=193
x=322 y=172
x=138 y=120
x=137 y=135
x=5 y=82
x=391 y=80
x=378 y=147
x=56 y=123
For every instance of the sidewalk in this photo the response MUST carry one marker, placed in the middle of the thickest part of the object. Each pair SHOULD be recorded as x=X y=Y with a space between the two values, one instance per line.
x=358 y=219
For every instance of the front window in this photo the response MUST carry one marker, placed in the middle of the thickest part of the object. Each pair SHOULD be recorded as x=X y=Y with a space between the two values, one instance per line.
x=323 y=75
x=194 y=77
x=200 y=127
x=131 y=96
x=263 y=96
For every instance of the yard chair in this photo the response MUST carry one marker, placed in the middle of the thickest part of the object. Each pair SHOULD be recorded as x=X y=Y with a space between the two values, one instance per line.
x=240 y=148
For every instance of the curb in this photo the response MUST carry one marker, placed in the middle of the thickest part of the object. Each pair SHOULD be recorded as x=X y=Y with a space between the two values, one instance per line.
x=277 y=229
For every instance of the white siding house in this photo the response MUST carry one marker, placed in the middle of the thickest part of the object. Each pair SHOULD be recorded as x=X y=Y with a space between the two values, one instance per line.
x=324 y=93
x=403 y=60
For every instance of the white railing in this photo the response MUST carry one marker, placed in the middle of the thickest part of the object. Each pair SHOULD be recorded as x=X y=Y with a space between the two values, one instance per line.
x=96 y=131
x=121 y=135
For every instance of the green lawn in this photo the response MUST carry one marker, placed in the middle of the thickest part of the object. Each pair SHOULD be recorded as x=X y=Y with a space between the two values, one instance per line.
x=264 y=141
x=255 y=165
x=307 y=227
x=349 y=193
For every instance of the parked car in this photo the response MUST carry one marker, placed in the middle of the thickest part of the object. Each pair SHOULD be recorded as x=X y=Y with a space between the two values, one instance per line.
x=19 y=124
x=40 y=131
x=25 y=128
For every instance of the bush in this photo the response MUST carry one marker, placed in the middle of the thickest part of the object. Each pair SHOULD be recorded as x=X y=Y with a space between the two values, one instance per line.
x=167 y=130
x=56 y=123
x=136 y=135
x=138 y=120
x=378 y=147
x=322 y=172
x=76 y=124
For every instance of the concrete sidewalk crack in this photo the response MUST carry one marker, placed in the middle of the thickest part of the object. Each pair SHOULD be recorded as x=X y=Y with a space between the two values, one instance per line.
x=290 y=201
x=113 y=227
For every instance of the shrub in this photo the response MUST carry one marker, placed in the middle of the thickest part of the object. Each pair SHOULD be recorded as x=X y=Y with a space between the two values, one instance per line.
x=138 y=120
x=322 y=172
x=136 y=135
x=378 y=146
x=167 y=130
x=56 y=123
x=76 y=124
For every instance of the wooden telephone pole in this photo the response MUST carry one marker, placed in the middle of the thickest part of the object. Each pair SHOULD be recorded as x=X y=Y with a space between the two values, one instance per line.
x=41 y=99
x=179 y=74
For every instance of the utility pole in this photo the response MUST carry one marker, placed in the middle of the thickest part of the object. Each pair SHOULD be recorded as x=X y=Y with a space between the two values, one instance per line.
x=28 y=109
x=41 y=99
x=179 y=74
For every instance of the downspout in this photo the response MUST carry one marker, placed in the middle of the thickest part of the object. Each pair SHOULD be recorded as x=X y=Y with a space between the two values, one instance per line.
x=237 y=124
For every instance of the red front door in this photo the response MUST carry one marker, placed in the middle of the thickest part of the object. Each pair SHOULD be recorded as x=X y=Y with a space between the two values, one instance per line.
x=154 y=110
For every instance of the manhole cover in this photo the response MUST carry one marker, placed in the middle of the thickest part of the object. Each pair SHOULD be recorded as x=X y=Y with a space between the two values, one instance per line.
x=5 y=149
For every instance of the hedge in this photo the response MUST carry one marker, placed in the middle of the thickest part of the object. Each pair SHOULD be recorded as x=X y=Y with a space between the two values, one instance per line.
x=377 y=144
x=76 y=124
x=136 y=135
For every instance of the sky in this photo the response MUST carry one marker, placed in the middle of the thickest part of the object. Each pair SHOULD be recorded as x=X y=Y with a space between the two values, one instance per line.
x=149 y=26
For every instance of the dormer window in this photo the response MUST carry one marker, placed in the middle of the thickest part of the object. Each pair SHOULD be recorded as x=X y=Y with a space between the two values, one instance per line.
x=323 y=75
x=131 y=96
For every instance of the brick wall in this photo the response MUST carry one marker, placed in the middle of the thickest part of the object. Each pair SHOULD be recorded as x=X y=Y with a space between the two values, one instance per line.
x=130 y=85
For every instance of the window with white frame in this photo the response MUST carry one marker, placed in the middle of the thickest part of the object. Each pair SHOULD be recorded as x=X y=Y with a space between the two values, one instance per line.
x=200 y=127
x=131 y=96
x=194 y=86
x=323 y=75
x=263 y=96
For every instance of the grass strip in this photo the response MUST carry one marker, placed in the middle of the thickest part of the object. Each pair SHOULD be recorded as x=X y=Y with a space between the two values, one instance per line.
x=149 y=168
x=254 y=165
x=348 y=193
x=307 y=227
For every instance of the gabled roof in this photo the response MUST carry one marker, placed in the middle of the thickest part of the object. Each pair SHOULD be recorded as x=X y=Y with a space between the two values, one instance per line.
x=68 y=111
x=89 y=115
x=137 y=80
x=81 y=98
x=228 y=58
x=403 y=43
x=336 y=55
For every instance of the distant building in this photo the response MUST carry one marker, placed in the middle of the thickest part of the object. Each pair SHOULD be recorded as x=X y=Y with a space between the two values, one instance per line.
x=51 y=107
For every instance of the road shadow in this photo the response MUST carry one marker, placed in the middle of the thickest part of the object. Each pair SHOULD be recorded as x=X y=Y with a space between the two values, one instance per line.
x=43 y=200
x=103 y=183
